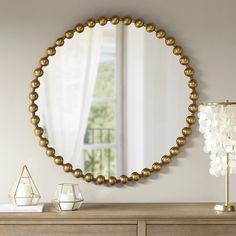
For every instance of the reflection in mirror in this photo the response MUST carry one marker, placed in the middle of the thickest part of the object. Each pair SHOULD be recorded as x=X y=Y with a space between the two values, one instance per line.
x=113 y=100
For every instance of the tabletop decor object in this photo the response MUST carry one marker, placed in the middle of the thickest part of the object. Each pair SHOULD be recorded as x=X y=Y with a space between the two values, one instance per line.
x=24 y=192
x=67 y=197
x=25 y=209
x=218 y=124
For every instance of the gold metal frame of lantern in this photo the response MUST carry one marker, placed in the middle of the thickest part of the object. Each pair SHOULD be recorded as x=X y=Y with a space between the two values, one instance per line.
x=180 y=141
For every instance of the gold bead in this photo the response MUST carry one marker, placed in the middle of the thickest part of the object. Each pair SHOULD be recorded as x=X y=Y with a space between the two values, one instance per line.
x=43 y=142
x=193 y=107
x=33 y=108
x=58 y=160
x=115 y=20
x=135 y=176
x=166 y=159
x=44 y=61
x=79 y=28
x=112 y=180
x=189 y=71
x=50 y=152
x=194 y=96
x=51 y=51
x=67 y=167
x=88 y=177
x=150 y=28
x=191 y=120
x=174 y=151
x=60 y=42
x=139 y=23
x=184 y=60
x=170 y=41
x=102 y=20
x=91 y=23
x=127 y=20
x=69 y=34
x=78 y=173
x=160 y=33
x=181 y=141
x=192 y=84
x=35 y=83
x=124 y=179
x=38 y=131
x=38 y=72
x=177 y=50
x=146 y=172
x=35 y=120
x=186 y=131
x=100 y=179
x=156 y=166
x=33 y=96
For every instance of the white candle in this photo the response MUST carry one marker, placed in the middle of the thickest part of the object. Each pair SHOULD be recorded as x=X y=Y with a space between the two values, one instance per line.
x=24 y=195
x=66 y=201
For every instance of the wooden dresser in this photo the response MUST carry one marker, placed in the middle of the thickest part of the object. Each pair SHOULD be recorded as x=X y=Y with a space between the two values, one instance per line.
x=117 y=219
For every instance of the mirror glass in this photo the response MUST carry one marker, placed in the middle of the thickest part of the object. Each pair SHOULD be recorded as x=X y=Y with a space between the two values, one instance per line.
x=113 y=100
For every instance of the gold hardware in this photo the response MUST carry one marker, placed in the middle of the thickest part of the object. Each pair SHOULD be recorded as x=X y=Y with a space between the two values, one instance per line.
x=78 y=173
x=67 y=167
x=170 y=41
x=156 y=166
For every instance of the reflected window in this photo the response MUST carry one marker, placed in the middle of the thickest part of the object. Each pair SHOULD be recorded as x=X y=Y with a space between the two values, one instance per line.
x=101 y=142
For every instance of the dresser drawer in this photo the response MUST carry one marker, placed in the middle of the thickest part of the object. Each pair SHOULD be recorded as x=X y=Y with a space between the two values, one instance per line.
x=191 y=230
x=65 y=230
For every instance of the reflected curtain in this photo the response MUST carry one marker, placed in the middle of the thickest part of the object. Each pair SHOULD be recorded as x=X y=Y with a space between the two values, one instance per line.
x=66 y=94
x=153 y=79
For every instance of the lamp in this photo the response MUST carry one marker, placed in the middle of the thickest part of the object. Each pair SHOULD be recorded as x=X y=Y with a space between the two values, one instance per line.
x=218 y=125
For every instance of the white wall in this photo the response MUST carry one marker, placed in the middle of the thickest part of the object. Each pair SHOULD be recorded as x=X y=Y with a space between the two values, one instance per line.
x=206 y=29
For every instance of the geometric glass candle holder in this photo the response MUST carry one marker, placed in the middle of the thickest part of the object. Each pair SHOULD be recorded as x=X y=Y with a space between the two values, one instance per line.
x=67 y=197
x=24 y=191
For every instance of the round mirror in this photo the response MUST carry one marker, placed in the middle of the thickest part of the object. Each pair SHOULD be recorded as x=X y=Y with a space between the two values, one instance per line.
x=113 y=101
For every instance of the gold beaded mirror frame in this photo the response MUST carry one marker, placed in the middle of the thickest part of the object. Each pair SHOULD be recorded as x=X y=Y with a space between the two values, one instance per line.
x=160 y=34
